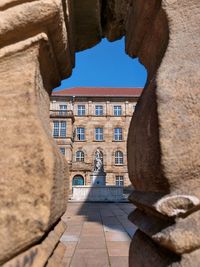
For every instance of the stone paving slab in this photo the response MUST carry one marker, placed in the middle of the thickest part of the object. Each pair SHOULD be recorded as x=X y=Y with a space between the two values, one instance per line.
x=97 y=234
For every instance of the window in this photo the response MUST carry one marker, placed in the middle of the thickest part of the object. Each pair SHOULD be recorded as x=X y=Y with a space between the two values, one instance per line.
x=62 y=150
x=59 y=128
x=80 y=155
x=62 y=128
x=78 y=180
x=117 y=111
x=119 y=180
x=80 y=132
x=55 y=128
x=63 y=109
x=99 y=134
x=99 y=110
x=119 y=159
x=81 y=110
x=118 y=134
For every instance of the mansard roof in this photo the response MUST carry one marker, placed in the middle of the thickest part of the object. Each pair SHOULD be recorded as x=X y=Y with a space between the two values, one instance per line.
x=99 y=92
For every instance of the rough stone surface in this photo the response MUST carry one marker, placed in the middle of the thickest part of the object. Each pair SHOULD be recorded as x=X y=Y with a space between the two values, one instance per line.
x=113 y=20
x=163 y=141
x=39 y=255
x=87 y=23
x=33 y=181
x=177 y=108
x=149 y=255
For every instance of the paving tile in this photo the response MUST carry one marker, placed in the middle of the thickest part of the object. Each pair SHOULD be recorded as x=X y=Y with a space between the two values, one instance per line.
x=131 y=230
x=117 y=236
x=119 y=212
x=92 y=225
x=119 y=261
x=77 y=218
x=66 y=262
x=72 y=223
x=122 y=218
x=97 y=235
x=92 y=242
x=92 y=231
x=127 y=208
x=118 y=248
x=110 y=219
x=113 y=228
x=73 y=229
x=70 y=249
x=90 y=258
x=69 y=238
x=106 y=213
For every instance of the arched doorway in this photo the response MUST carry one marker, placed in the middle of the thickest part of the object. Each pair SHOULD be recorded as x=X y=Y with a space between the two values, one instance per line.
x=77 y=180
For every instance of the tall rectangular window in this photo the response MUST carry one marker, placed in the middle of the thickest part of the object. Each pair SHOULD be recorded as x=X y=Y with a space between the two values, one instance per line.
x=59 y=128
x=118 y=134
x=117 y=111
x=119 y=158
x=62 y=128
x=99 y=134
x=81 y=110
x=119 y=180
x=55 y=128
x=80 y=132
x=62 y=150
x=99 y=110
x=63 y=109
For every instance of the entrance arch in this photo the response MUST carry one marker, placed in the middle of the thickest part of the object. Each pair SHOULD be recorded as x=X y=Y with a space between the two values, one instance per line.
x=77 y=180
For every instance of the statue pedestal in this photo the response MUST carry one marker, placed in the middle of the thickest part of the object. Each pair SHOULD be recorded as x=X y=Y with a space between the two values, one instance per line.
x=98 y=193
x=98 y=179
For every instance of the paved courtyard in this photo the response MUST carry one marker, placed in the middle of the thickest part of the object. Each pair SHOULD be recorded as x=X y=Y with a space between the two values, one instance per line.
x=97 y=234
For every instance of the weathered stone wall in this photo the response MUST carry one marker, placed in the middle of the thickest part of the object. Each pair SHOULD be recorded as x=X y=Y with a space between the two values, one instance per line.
x=33 y=55
x=163 y=142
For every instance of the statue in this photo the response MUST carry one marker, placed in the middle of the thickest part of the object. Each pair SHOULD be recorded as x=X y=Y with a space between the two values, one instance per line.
x=98 y=162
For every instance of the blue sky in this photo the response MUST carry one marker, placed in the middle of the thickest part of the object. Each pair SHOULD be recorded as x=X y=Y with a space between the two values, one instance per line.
x=105 y=65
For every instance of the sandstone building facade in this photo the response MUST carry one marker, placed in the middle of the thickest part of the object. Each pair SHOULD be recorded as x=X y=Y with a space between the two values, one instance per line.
x=86 y=119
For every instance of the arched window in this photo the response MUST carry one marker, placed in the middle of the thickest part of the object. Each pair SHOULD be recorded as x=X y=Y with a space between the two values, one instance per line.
x=119 y=158
x=80 y=155
x=77 y=180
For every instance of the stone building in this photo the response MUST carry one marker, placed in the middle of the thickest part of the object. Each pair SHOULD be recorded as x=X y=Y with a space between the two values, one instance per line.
x=102 y=117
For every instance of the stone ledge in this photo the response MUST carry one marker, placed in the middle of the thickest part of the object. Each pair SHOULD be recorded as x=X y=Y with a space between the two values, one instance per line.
x=165 y=205
x=98 y=193
x=39 y=255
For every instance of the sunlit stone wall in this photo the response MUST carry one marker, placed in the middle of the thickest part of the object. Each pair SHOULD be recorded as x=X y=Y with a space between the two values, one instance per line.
x=34 y=57
x=164 y=136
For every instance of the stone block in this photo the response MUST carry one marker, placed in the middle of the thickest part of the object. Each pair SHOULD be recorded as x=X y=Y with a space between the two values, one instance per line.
x=33 y=52
x=39 y=255
x=163 y=140
x=87 y=25
x=97 y=193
